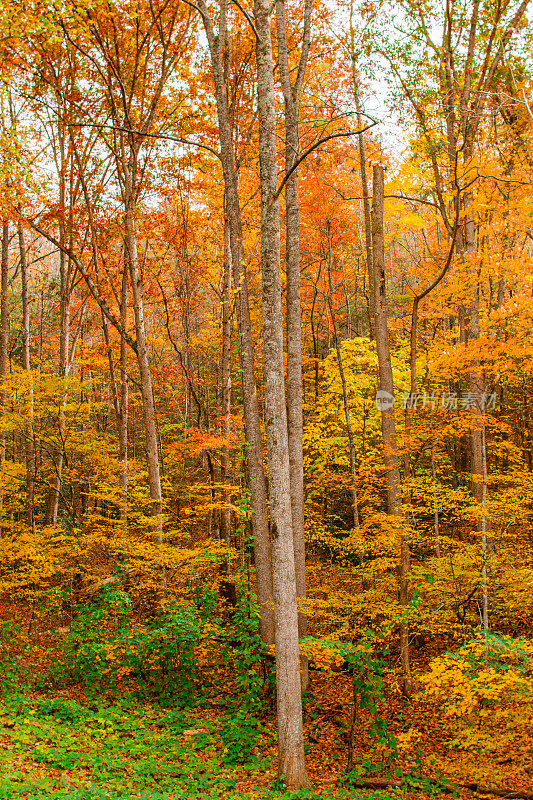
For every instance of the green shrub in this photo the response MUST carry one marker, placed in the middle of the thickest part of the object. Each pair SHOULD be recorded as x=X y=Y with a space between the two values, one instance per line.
x=104 y=646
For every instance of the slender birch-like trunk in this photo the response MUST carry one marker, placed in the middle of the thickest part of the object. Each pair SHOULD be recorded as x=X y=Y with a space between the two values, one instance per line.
x=4 y=337
x=388 y=424
x=64 y=342
x=124 y=406
x=366 y=193
x=484 y=540
x=291 y=765
x=64 y=334
x=29 y=447
x=119 y=388
x=435 y=503
x=353 y=467
x=225 y=515
x=150 y=429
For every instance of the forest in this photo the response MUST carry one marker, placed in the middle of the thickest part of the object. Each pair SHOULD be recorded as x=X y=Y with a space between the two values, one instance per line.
x=266 y=399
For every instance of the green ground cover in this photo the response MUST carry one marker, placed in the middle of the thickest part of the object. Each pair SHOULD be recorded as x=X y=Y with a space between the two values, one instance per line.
x=57 y=748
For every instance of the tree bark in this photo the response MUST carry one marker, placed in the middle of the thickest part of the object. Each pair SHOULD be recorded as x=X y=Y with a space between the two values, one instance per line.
x=353 y=466
x=435 y=504
x=64 y=328
x=225 y=515
x=150 y=429
x=258 y=490
x=388 y=424
x=291 y=764
x=4 y=342
x=29 y=446
x=294 y=307
x=366 y=193
x=119 y=388
x=124 y=406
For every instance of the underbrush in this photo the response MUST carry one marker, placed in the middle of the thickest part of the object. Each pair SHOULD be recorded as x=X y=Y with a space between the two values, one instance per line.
x=486 y=689
x=59 y=748
x=105 y=645
x=180 y=704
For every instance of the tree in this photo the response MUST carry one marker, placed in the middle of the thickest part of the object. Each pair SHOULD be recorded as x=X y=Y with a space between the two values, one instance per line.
x=291 y=93
x=219 y=54
x=288 y=682
x=388 y=424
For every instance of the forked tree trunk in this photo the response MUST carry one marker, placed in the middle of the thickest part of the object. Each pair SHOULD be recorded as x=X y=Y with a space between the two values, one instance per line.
x=291 y=765
x=388 y=424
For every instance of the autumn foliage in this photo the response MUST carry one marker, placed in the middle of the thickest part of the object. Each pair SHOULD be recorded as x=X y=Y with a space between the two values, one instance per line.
x=152 y=398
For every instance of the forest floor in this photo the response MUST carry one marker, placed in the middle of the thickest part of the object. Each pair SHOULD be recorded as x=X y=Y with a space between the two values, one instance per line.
x=80 y=743
x=77 y=747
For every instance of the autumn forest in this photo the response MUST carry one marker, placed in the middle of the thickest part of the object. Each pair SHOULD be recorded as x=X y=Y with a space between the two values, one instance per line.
x=266 y=399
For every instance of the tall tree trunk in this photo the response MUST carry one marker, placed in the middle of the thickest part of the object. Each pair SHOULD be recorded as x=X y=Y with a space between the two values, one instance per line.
x=435 y=503
x=353 y=467
x=64 y=342
x=124 y=405
x=64 y=335
x=291 y=764
x=258 y=491
x=225 y=516
x=388 y=424
x=366 y=193
x=4 y=342
x=29 y=447
x=119 y=389
x=484 y=540
x=150 y=429
x=476 y=389
x=294 y=306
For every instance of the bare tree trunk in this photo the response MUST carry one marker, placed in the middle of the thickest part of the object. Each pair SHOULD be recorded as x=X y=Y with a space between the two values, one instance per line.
x=64 y=335
x=291 y=765
x=366 y=194
x=475 y=378
x=258 y=491
x=484 y=542
x=29 y=447
x=64 y=342
x=476 y=387
x=435 y=505
x=4 y=336
x=388 y=425
x=150 y=430
x=225 y=516
x=120 y=398
x=294 y=309
x=124 y=405
x=353 y=466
